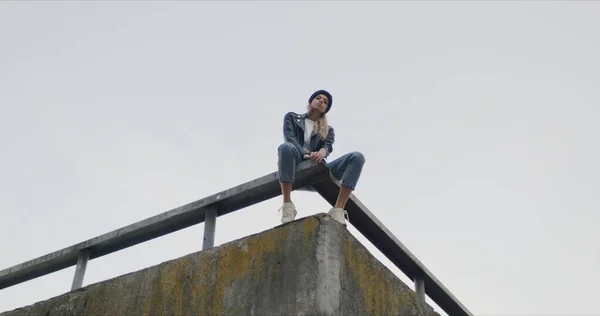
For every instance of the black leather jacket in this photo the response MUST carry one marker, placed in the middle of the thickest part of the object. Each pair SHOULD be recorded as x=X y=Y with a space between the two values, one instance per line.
x=293 y=132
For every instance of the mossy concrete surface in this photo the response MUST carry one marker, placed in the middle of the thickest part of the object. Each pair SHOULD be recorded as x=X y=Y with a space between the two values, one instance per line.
x=312 y=266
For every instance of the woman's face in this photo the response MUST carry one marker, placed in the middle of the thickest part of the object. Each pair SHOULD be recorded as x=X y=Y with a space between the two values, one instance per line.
x=319 y=104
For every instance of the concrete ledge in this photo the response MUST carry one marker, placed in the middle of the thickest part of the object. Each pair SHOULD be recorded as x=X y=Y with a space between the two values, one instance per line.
x=312 y=266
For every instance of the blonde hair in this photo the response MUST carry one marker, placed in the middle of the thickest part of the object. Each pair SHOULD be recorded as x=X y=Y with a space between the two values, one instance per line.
x=321 y=126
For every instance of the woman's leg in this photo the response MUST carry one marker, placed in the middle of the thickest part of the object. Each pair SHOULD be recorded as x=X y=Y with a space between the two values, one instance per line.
x=288 y=157
x=347 y=169
x=343 y=197
x=286 y=192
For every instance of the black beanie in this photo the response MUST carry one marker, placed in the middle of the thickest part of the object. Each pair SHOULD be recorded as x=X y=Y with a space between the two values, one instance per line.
x=327 y=94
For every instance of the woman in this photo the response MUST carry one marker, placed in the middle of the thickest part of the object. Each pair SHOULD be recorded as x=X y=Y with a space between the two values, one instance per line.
x=307 y=136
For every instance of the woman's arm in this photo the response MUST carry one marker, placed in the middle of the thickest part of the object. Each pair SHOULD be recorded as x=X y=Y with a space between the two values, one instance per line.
x=289 y=136
x=328 y=142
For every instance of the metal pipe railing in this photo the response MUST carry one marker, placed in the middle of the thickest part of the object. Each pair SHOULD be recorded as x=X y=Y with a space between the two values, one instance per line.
x=208 y=209
x=420 y=286
x=82 y=261
x=210 y=223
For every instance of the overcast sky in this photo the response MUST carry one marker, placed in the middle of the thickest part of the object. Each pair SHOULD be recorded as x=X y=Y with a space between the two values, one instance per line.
x=479 y=122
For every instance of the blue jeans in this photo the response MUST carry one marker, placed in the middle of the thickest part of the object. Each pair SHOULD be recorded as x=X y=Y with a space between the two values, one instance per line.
x=346 y=168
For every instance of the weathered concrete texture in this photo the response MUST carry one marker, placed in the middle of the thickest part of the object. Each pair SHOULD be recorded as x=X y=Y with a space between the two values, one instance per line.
x=312 y=266
x=370 y=288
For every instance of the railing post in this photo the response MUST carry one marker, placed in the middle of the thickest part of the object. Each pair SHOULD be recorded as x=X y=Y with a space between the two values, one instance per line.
x=420 y=286
x=210 y=220
x=82 y=261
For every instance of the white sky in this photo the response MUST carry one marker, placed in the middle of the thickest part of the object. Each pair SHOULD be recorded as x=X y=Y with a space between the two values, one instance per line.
x=479 y=122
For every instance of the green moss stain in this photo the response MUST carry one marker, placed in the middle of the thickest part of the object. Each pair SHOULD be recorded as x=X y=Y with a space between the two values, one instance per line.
x=309 y=228
x=238 y=260
x=102 y=300
x=309 y=231
x=175 y=287
x=200 y=279
x=380 y=295
x=172 y=280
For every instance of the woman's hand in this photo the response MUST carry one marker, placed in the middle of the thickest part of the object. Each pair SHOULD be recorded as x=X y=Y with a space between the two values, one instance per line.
x=317 y=156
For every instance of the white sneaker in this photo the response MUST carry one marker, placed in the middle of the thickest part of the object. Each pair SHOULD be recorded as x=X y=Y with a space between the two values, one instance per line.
x=288 y=213
x=338 y=214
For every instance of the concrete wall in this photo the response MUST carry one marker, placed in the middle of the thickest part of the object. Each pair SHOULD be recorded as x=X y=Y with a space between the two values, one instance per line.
x=312 y=266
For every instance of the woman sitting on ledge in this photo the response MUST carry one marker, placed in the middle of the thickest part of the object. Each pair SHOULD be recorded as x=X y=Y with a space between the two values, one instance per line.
x=307 y=136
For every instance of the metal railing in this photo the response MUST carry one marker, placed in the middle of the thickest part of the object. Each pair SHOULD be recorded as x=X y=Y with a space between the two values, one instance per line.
x=208 y=209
